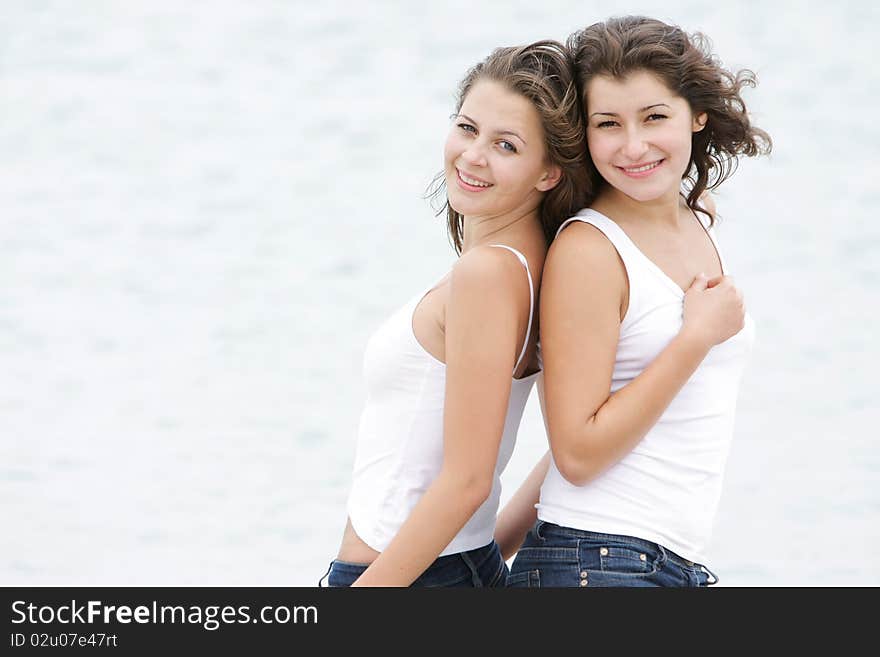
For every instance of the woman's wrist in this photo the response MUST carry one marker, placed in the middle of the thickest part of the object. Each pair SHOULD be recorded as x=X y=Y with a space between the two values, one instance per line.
x=694 y=341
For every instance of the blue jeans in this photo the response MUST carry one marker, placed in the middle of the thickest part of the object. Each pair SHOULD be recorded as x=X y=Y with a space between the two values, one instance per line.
x=554 y=556
x=482 y=567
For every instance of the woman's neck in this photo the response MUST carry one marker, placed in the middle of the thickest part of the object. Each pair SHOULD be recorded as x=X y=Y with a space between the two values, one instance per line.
x=617 y=205
x=515 y=228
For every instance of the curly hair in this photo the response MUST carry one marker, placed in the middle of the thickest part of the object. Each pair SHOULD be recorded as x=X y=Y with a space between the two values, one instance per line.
x=543 y=73
x=685 y=63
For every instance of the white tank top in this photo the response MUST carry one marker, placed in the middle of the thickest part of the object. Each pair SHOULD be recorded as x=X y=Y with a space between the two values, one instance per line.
x=400 y=436
x=667 y=488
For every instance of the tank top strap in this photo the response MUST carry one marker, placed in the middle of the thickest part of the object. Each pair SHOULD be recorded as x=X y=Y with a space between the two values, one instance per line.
x=628 y=251
x=525 y=263
x=710 y=231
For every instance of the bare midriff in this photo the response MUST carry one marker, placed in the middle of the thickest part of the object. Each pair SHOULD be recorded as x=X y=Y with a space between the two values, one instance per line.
x=353 y=548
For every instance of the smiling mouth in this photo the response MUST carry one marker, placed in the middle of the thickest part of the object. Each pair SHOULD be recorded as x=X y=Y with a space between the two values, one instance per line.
x=472 y=182
x=642 y=168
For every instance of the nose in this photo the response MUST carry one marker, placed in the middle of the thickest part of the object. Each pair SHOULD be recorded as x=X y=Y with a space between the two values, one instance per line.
x=474 y=154
x=635 y=146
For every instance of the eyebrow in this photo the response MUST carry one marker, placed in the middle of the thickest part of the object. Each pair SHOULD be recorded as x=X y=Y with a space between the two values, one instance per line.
x=500 y=132
x=643 y=109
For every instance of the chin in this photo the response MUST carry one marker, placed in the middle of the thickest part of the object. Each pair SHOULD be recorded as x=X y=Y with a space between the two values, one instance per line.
x=459 y=204
x=643 y=195
x=645 y=191
x=454 y=197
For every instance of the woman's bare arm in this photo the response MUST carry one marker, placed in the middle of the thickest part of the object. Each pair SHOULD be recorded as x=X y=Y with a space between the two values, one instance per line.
x=583 y=286
x=482 y=320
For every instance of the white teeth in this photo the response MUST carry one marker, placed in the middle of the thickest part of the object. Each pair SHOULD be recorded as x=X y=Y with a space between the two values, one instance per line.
x=644 y=168
x=471 y=181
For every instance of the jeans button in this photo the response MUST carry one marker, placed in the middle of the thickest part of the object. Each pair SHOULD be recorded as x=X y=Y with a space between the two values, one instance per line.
x=583 y=582
x=603 y=551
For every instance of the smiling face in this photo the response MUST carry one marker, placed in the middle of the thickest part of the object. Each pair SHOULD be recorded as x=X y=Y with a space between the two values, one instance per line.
x=639 y=134
x=495 y=160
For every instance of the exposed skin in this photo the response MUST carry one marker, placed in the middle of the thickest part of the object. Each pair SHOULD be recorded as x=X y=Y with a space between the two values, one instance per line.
x=474 y=320
x=632 y=121
x=519 y=514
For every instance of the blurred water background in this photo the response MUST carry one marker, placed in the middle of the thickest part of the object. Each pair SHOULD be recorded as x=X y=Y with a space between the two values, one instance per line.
x=207 y=207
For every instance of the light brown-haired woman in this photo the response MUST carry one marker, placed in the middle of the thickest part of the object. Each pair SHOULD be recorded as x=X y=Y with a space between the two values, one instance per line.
x=449 y=373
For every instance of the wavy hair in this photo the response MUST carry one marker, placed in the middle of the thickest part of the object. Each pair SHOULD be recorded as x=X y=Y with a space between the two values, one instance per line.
x=685 y=63
x=543 y=73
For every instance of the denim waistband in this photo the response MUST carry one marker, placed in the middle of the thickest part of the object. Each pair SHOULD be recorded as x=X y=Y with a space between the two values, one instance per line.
x=473 y=559
x=542 y=527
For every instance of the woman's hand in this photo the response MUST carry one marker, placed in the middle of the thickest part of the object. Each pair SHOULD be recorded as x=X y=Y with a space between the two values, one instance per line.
x=713 y=310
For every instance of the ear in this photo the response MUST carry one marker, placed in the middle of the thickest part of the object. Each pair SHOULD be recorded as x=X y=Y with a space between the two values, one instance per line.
x=700 y=121
x=550 y=179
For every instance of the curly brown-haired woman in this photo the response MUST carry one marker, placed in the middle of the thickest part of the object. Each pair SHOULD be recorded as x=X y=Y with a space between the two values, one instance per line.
x=644 y=335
